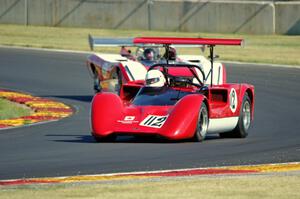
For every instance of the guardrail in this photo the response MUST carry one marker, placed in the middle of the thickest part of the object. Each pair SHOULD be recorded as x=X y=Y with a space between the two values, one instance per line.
x=224 y=16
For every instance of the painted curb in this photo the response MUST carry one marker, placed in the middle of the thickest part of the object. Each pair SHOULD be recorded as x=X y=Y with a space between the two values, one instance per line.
x=212 y=171
x=44 y=110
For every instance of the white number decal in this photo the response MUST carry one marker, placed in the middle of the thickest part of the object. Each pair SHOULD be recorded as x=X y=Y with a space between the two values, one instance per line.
x=154 y=121
x=233 y=100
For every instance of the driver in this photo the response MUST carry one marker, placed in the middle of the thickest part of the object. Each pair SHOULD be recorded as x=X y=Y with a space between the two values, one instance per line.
x=149 y=54
x=155 y=78
x=124 y=52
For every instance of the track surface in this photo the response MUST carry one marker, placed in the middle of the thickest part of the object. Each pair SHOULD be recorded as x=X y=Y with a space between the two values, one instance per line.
x=67 y=148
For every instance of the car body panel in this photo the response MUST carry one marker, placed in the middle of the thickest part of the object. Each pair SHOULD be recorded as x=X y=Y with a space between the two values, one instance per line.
x=121 y=119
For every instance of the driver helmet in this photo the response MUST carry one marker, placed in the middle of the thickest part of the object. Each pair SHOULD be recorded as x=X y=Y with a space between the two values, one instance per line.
x=155 y=78
x=149 y=54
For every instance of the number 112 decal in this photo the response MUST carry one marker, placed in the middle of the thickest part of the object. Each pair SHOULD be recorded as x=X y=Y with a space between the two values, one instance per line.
x=154 y=121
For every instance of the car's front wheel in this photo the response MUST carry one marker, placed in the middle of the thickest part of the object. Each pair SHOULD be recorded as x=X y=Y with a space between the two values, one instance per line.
x=202 y=124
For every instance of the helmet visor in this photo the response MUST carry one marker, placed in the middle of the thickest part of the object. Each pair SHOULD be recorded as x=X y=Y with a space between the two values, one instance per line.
x=152 y=81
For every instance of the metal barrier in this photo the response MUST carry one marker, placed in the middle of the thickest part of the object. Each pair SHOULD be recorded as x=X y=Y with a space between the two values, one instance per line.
x=224 y=16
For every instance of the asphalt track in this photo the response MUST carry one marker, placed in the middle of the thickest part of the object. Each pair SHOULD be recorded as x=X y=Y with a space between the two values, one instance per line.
x=66 y=147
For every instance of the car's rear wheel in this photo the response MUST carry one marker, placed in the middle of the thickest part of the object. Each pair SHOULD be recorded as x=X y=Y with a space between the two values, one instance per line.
x=244 y=122
x=202 y=124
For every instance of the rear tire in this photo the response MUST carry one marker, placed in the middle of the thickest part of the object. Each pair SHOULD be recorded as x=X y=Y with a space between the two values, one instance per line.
x=202 y=124
x=244 y=122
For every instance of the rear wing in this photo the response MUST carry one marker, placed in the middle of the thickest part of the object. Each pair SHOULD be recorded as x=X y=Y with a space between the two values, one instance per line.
x=160 y=41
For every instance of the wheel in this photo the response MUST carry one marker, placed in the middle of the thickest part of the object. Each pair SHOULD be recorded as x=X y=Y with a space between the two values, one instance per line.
x=110 y=138
x=202 y=124
x=244 y=122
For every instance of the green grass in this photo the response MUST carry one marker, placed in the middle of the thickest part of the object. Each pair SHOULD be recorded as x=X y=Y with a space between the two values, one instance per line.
x=12 y=110
x=276 y=49
x=254 y=187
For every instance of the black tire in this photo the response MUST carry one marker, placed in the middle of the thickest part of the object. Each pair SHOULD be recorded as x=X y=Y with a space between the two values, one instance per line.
x=110 y=138
x=242 y=128
x=202 y=124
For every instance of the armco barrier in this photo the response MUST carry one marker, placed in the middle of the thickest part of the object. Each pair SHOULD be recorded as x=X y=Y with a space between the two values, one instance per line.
x=288 y=18
x=204 y=16
x=254 y=17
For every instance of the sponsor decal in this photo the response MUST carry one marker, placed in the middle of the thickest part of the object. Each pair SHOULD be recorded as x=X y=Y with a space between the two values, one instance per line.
x=128 y=120
x=154 y=121
x=233 y=100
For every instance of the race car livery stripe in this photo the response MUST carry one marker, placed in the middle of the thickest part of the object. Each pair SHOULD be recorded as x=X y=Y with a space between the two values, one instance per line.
x=230 y=170
x=217 y=125
x=43 y=110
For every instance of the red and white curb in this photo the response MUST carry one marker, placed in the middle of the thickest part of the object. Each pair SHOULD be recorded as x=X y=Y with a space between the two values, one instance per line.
x=230 y=170
x=43 y=109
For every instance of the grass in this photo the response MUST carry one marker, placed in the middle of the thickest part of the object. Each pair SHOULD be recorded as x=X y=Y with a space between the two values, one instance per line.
x=205 y=187
x=275 y=49
x=12 y=110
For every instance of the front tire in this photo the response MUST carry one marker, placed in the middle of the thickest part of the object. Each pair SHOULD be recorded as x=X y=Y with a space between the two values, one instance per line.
x=202 y=124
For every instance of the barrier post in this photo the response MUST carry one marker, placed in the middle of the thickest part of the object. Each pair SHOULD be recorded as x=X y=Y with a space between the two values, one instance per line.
x=26 y=12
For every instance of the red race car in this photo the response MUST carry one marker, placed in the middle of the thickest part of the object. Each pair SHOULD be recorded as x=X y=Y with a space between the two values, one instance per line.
x=172 y=98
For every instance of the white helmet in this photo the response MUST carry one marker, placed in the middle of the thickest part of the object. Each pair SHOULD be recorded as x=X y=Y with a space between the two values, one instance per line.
x=155 y=78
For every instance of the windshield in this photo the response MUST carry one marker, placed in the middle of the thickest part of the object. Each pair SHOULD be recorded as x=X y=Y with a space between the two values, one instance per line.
x=162 y=96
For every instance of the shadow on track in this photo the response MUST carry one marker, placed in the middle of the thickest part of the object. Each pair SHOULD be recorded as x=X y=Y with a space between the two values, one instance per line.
x=124 y=139
x=83 y=98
